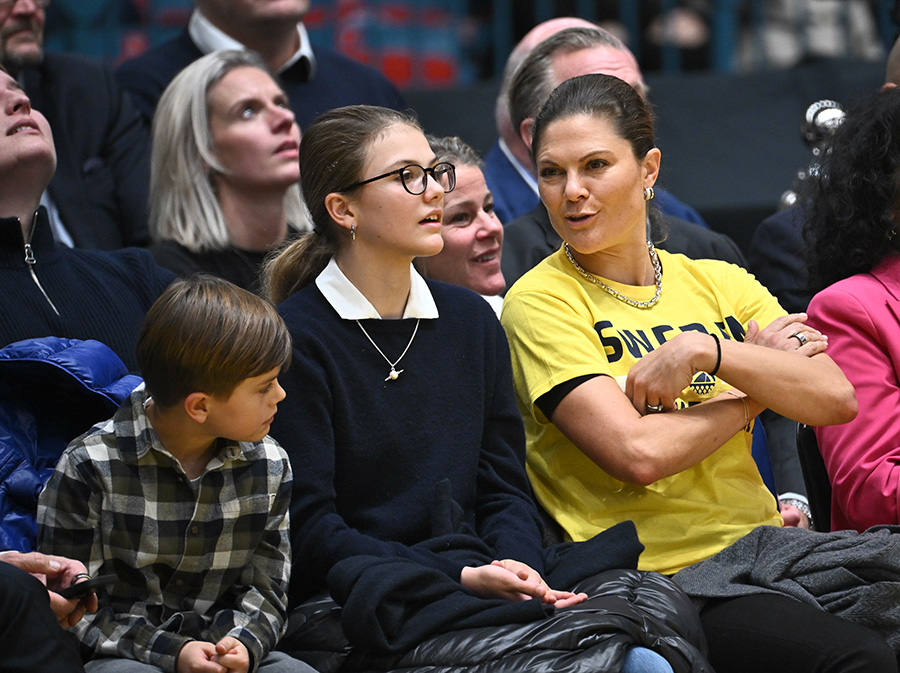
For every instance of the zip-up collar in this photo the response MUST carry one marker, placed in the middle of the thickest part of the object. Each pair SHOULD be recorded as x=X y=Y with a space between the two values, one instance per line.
x=12 y=244
x=29 y=251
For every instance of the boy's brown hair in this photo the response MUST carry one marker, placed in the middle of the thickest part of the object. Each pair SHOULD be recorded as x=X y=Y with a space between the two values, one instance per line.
x=205 y=334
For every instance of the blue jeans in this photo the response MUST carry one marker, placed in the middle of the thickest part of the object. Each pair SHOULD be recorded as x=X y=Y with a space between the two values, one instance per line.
x=642 y=660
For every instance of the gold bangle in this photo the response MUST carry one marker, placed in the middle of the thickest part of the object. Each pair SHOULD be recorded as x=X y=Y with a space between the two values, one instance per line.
x=743 y=399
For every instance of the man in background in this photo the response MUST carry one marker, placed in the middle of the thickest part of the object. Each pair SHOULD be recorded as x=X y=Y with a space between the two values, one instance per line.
x=315 y=79
x=508 y=169
x=98 y=196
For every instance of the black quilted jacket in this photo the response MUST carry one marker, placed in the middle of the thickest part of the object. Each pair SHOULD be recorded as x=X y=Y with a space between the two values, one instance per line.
x=395 y=615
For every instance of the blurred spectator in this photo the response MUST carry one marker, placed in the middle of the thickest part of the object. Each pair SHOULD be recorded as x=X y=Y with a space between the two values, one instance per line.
x=787 y=32
x=581 y=50
x=316 y=79
x=98 y=196
x=853 y=254
x=224 y=189
x=48 y=289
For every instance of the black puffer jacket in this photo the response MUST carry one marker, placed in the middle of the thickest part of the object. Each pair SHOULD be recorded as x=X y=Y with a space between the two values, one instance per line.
x=402 y=616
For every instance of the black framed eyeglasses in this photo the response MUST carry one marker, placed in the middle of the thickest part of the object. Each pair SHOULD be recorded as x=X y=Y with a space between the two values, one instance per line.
x=414 y=178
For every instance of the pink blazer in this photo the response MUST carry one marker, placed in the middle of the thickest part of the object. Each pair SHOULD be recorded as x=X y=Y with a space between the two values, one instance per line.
x=861 y=317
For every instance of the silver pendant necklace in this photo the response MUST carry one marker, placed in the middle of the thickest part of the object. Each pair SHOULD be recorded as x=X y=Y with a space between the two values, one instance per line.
x=657 y=274
x=395 y=373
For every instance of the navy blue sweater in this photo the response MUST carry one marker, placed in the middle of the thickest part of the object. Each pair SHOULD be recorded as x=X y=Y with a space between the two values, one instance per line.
x=100 y=295
x=428 y=467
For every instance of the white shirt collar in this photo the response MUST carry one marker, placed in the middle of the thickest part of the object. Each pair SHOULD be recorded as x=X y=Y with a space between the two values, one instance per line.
x=351 y=304
x=208 y=39
x=529 y=179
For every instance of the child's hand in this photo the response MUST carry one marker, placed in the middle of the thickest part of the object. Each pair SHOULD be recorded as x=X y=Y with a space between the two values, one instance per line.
x=232 y=654
x=513 y=583
x=198 y=657
x=559 y=599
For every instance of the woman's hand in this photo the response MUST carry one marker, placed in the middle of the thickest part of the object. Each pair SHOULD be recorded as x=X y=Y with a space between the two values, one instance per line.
x=787 y=333
x=658 y=378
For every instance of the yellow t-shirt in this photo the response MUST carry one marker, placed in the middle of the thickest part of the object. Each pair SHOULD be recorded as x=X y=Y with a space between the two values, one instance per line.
x=561 y=326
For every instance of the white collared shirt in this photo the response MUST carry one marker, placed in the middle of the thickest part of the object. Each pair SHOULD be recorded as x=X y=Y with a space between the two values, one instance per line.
x=208 y=39
x=525 y=173
x=351 y=304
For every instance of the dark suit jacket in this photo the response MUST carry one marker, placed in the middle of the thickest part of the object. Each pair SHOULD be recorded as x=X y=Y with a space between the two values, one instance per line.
x=777 y=258
x=530 y=238
x=102 y=175
x=512 y=195
x=338 y=81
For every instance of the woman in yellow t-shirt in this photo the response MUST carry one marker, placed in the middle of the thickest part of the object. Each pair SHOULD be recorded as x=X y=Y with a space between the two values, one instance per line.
x=639 y=373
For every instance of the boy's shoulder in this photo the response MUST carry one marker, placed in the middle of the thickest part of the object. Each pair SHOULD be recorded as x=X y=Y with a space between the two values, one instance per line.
x=265 y=449
x=108 y=439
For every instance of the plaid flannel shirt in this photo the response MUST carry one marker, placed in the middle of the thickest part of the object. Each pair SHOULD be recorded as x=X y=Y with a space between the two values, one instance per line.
x=195 y=560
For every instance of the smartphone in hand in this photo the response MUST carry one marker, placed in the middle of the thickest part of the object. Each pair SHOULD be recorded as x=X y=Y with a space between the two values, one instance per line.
x=82 y=589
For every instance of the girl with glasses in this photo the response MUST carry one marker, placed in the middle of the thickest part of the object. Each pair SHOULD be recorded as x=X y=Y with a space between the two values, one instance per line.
x=411 y=506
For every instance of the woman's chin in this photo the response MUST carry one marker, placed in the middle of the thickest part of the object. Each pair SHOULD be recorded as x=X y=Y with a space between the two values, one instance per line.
x=489 y=286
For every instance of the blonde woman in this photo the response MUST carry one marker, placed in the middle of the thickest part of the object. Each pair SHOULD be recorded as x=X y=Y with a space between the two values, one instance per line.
x=224 y=171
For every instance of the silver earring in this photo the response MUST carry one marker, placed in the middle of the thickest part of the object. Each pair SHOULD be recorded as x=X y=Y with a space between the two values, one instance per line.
x=648 y=193
x=353 y=232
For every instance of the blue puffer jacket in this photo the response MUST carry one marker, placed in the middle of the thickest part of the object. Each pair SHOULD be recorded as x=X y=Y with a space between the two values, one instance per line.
x=51 y=391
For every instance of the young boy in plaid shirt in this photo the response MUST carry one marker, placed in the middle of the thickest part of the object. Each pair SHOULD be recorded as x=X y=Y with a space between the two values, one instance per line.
x=183 y=495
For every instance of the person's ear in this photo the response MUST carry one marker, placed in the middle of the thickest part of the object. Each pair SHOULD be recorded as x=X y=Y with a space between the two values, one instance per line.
x=525 y=130
x=650 y=165
x=342 y=210
x=196 y=405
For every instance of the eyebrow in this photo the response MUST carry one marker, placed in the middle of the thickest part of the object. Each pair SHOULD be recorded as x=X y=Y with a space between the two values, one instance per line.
x=281 y=97
x=241 y=102
x=583 y=157
x=269 y=380
x=400 y=163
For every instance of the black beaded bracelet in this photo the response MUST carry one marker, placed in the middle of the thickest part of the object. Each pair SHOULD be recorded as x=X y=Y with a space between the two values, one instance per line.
x=718 y=355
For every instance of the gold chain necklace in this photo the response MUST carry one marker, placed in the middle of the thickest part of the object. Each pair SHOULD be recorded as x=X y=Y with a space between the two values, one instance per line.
x=657 y=273
x=395 y=373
